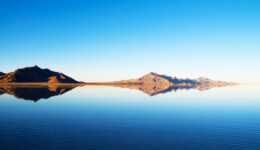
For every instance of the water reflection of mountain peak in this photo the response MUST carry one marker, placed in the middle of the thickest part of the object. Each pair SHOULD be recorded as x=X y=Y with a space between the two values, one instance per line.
x=37 y=92
x=153 y=90
x=34 y=93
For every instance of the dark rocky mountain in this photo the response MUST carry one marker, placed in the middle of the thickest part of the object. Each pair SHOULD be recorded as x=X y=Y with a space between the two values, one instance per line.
x=34 y=93
x=35 y=74
x=1 y=73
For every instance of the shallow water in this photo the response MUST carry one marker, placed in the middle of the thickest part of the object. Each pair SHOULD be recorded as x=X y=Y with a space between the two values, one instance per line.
x=103 y=117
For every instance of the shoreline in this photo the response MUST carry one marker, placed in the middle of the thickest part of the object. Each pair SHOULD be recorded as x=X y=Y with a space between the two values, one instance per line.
x=100 y=83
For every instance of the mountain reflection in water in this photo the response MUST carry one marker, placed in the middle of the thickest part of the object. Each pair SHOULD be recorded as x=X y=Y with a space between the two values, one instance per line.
x=34 y=92
x=37 y=92
x=155 y=89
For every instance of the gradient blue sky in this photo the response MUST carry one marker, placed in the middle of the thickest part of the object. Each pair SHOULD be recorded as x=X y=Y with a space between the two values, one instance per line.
x=106 y=40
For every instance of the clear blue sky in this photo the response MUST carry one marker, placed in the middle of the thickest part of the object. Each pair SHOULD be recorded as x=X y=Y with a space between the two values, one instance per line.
x=110 y=40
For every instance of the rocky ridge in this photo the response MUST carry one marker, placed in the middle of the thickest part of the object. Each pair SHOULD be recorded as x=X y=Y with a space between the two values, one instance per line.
x=35 y=74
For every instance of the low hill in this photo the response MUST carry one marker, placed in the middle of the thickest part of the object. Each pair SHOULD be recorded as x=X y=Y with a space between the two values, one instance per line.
x=1 y=73
x=35 y=74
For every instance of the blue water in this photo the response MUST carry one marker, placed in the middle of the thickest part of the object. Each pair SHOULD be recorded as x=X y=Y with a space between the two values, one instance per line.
x=97 y=117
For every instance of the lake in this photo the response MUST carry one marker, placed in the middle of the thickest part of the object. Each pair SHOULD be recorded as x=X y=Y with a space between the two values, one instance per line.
x=114 y=118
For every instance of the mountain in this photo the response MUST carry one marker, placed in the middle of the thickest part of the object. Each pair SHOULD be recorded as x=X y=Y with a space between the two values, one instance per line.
x=153 y=84
x=35 y=74
x=34 y=93
x=157 y=79
x=1 y=73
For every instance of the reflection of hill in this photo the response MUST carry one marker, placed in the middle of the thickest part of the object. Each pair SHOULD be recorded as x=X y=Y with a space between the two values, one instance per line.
x=36 y=92
x=148 y=89
x=159 y=89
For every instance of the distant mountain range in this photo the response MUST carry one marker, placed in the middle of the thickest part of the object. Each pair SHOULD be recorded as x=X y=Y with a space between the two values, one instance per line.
x=35 y=74
x=151 y=83
x=157 y=79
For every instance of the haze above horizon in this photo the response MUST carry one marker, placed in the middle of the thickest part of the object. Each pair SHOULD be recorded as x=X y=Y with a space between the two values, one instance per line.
x=116 y=40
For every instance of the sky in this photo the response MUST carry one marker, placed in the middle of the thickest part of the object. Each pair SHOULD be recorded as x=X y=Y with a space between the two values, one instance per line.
x=106 y=40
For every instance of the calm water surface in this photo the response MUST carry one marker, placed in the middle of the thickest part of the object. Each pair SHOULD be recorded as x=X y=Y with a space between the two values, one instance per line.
x=102 y=117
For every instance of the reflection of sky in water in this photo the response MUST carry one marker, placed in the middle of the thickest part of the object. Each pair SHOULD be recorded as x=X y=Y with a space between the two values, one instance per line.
x=226 y=117
x=217 y=100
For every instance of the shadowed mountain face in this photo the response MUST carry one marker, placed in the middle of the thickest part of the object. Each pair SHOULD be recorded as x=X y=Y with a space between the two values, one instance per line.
x=1 y=73
x=34 y=93
x=36 y=74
